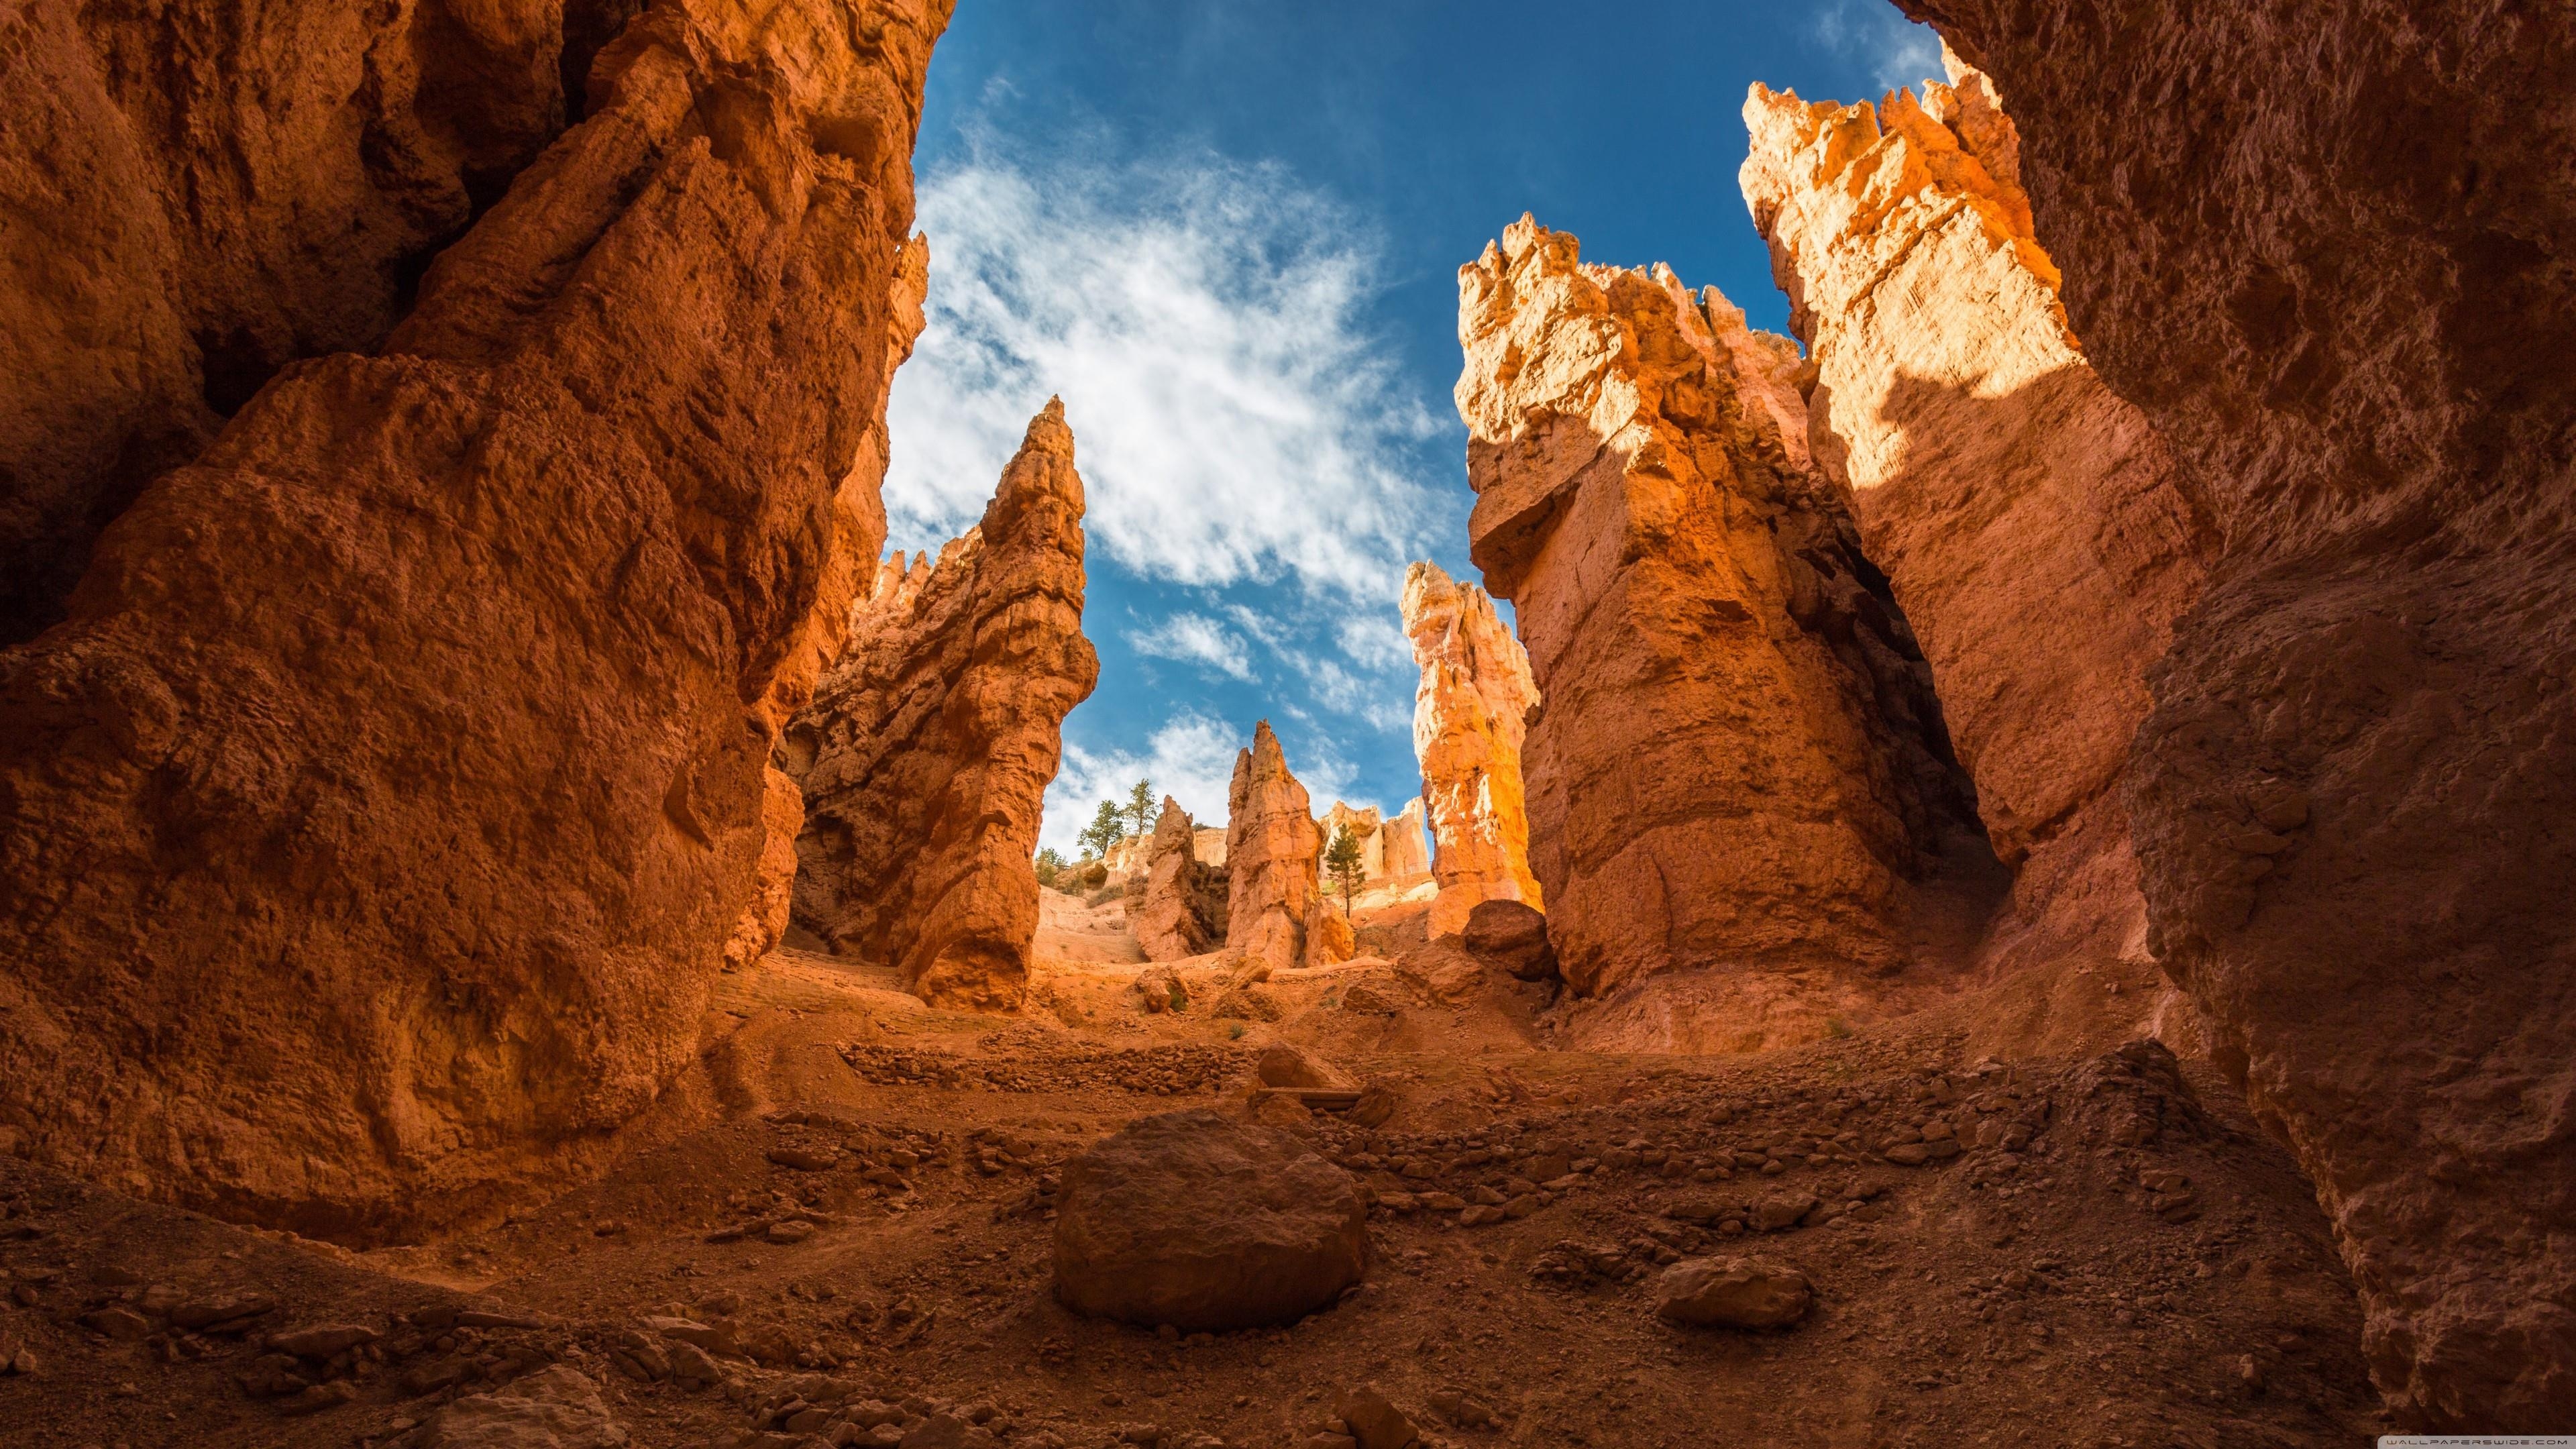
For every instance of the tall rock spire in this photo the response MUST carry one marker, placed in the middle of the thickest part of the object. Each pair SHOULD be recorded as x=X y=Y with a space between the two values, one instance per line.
x=1736 y=763
x=926 y=753
x=1469 y=718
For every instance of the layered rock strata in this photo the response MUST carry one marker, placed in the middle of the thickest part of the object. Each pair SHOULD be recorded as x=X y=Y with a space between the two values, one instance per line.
x=926 y=753
x=1470 y=716
x=2325 y=250
x=1737 y=761
x=374 y=822
x=1183 y=910
x=1988 y=467
x=1271 y=851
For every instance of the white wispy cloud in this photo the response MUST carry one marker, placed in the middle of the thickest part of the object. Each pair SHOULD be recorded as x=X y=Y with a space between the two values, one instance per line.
x=1202 y=319
x=1196 y=639
x=1897 y=52
x=1190 y=759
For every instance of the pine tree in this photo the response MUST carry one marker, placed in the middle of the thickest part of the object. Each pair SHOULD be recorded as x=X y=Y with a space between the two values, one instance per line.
x=1140 y=807
x=1342 y=863
x=1050 y=865
x=1108 y=827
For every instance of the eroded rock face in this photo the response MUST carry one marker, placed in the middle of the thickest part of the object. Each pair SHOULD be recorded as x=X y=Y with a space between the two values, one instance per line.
x=1470 y=716
x=850 y=576
x=1737 y=761
x=201 y=194
x=1206 y=1224
x=1271 y=849
x=377 y=817
x=928 y=748
x=2324 y=249
x=1989 y=468
x=1184 y=906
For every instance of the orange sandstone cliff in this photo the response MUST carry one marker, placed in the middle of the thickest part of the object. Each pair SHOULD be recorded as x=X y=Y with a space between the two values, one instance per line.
x=1736 y=764
x=2325 y=250
x=1990 y=470
x=1470 y=714
x=375 y=819
x=926 y=753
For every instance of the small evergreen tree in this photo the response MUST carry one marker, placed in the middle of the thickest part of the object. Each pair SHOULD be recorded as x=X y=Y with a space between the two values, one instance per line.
x=1050 y=865
x=1108 y=827
x=1342 y=865
x=1140 y=807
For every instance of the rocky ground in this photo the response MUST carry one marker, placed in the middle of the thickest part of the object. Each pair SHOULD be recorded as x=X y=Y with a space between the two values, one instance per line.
x=840 y=1226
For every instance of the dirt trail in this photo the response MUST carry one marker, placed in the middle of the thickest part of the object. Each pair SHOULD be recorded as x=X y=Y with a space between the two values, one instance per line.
x=849 y=1198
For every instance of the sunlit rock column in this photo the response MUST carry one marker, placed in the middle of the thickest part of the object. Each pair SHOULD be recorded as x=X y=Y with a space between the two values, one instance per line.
x=1272 y=847
x=1183 y=910
x=1736 y=762
x=2027 y=518
x=926 y=753
x=1470 y=713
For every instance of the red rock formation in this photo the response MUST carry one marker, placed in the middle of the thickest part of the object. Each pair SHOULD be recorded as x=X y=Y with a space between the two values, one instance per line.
x=200 y=194
x=1988 y=467
x=1183 y=910
x=374 y=823
x=2325 y=249
x=1271 y=849
x=1736 y=763
x=850 y=578
x=1404 y=852
x=1470 y=714
x=926 y=754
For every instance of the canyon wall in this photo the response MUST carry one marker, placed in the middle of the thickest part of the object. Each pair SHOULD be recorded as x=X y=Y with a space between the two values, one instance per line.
x=375 y=819
x=925 y=755
x=1271 y=845
x=1470 y=714
x=1989 y=468
x=2325 y=250
x=1737 y=762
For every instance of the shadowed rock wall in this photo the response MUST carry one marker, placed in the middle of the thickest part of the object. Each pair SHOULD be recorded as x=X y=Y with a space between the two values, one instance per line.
x=1990 y=470
x=371 y=827
x=2325 y=249
x=925 y=756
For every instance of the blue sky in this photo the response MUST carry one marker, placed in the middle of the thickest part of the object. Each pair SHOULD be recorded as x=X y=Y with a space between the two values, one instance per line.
x=1228 y=233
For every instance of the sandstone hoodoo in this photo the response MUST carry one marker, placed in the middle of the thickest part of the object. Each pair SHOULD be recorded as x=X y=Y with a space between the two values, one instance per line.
x=1470 y=714
x=2339 y=290
x=1206 y=1224
x=1988 y=467
x=379 y=812
x=1183 y=912
x=926 y=753
x=1405 y=850
x=1737 y=761
x=1271 y=851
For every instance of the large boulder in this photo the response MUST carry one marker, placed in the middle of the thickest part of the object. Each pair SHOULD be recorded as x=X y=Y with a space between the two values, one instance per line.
x=1733 y=1293
x=1204 y=1223
x=556 y=1409
x=1512 y=936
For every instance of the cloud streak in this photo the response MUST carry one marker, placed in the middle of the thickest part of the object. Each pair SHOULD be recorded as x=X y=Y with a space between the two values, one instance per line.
x=1898 y=52
x=1202 y=319
x=1196 y=639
